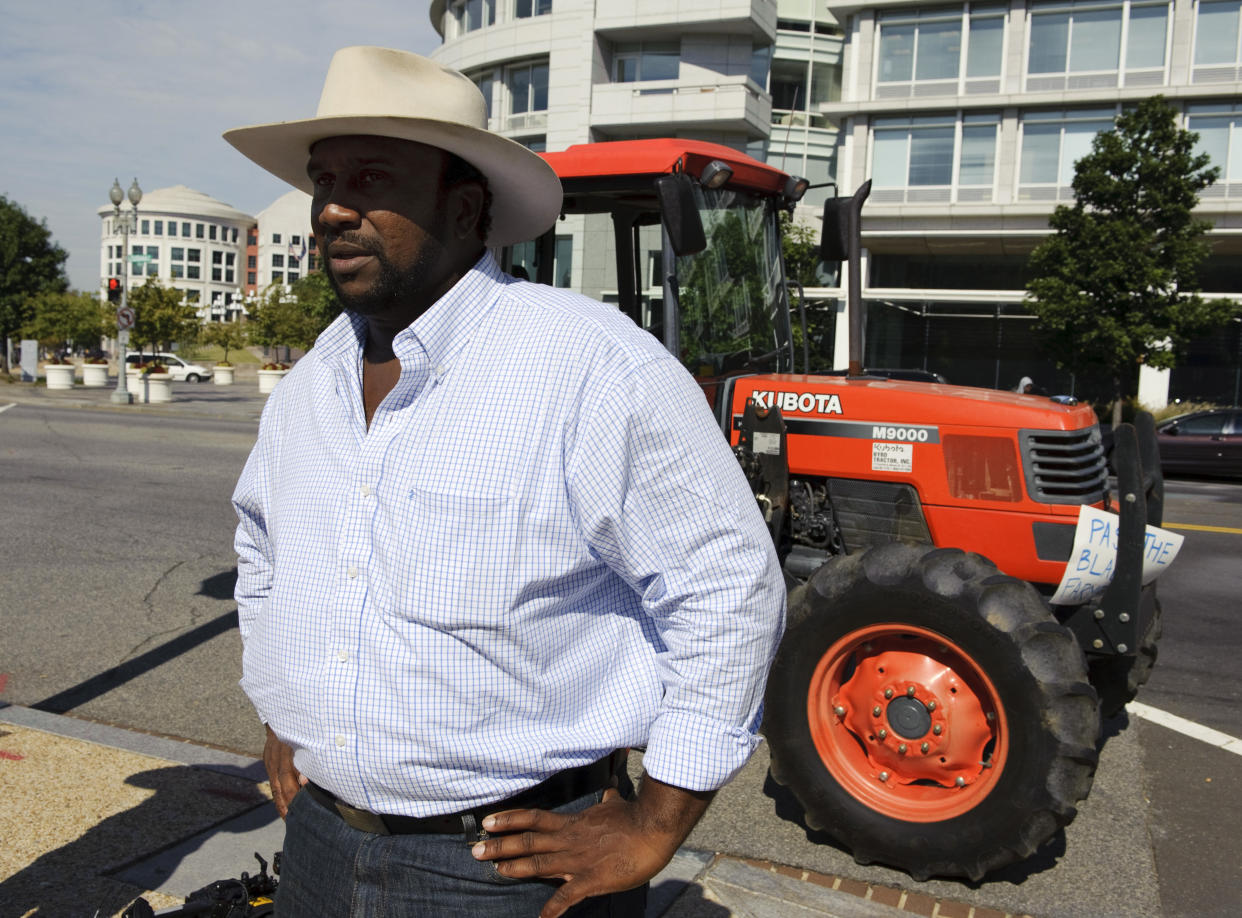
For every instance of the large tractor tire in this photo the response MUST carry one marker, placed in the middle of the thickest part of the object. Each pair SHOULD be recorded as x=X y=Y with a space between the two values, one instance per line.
x=1118 y=679
x=928 y=713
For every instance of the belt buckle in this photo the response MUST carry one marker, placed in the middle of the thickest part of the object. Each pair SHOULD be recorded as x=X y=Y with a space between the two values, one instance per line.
x=363 y=820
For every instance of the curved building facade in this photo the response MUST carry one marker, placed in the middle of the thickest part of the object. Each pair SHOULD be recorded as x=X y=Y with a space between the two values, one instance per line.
x=188 y=241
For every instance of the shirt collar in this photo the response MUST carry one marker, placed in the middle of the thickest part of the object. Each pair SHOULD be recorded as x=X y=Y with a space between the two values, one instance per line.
x=440 y=332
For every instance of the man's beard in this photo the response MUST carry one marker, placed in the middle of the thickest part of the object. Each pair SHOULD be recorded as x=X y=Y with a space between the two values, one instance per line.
x=394 y=286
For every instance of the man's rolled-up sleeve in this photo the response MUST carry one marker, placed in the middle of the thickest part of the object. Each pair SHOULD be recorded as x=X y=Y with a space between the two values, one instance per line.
x=661 y=499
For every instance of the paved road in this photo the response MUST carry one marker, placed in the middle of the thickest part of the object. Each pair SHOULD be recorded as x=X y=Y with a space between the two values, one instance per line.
x=118 y=571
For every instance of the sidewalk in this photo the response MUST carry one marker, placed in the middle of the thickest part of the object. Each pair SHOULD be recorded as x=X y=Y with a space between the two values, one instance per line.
x=240 y=401
x=95 y=816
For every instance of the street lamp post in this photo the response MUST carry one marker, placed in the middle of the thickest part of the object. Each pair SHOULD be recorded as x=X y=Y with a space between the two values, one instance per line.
x=124 y=318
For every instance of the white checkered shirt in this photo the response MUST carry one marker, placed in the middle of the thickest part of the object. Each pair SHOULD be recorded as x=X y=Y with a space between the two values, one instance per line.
x=541 y=550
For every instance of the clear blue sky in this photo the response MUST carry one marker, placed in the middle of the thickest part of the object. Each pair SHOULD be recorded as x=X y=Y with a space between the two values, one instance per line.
x=92 y=90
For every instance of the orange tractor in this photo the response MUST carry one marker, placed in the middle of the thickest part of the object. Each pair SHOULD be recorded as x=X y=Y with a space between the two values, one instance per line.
x=929 y=707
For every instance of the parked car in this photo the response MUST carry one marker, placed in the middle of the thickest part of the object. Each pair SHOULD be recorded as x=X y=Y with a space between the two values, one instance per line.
x=177 y=368
x=1202 y=443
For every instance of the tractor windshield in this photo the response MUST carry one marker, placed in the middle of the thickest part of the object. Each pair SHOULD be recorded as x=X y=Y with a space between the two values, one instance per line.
x=734 y=310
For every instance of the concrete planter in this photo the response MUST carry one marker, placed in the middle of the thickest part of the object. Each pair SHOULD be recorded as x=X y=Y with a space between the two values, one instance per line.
x=95 y=375
x=59 y=375
x=149 y=387
x=222 y=376
x=269 y=378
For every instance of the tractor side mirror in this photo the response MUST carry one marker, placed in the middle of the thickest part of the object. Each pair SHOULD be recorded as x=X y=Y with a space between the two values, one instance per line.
x=834 y=238
x=680 y=213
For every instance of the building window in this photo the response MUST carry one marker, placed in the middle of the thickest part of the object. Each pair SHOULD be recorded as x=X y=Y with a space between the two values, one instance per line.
x=198 y=231
x=250 y=278
x=1052 y=142
x=524 y=9
x=228 y=275
x=485 y=81
x=793 y=101
x=146 y=227
x=159 y=227
x=528 y=88
x=211 y=232
x=230 y=258
x=177 y=271
x=1093 y=43
x=278 y=277
x=939 y=46
x=1219 y=126
x=635 y=62
x=192 y=254
x=275 y=238
x=278 y=261
x=172 y=227
x=252 y=261
x=1216 y=33
x=293 y=275
x=470 y=15
x=934 y=159
x=192 y=272
x=215 y=274
x=185 y=230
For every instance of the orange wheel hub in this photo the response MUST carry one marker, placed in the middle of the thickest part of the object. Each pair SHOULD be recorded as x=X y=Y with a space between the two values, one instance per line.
x=907 y=722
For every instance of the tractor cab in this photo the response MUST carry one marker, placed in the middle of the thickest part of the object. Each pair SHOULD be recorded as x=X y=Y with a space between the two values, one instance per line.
x=696 y=249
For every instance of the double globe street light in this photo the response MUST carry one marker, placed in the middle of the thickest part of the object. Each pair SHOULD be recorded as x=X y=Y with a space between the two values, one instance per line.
x=126 y=223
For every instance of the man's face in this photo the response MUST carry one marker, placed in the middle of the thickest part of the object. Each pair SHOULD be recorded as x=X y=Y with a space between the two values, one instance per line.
x=378 y=216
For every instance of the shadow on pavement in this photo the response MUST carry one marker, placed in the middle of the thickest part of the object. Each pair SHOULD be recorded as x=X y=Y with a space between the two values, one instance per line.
x=75 y=879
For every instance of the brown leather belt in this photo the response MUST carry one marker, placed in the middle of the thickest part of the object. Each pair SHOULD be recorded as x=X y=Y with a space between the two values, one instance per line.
x=559 y=789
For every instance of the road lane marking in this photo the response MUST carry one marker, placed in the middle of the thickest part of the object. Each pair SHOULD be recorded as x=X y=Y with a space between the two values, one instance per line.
x=4 y=408
x=1186 y=727
x=1198 y=528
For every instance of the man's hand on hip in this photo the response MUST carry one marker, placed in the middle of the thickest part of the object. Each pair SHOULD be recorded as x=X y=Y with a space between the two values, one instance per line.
x=286 y=780
x=607 y=848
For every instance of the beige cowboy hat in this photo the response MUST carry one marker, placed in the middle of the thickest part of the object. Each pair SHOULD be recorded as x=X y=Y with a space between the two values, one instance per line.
x=399 y=94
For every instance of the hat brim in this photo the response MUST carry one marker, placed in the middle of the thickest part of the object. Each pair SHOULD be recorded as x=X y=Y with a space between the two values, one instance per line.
x=526 y=192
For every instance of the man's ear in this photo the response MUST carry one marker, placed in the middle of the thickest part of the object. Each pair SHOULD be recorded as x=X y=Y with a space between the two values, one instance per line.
x=465 y=208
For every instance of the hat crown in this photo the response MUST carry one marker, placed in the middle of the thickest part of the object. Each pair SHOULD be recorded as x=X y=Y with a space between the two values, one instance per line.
x=365 y=80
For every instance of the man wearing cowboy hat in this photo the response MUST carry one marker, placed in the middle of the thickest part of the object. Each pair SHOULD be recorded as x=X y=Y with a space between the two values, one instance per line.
x=489 y=538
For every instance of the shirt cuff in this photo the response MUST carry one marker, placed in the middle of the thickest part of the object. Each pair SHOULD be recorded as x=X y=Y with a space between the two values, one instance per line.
x=695 y=752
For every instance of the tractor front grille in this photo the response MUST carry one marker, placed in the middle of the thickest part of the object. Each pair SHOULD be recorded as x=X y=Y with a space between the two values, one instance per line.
x=1064 y=466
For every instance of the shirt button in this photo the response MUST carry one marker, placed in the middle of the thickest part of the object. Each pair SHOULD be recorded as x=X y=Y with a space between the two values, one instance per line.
x=340 y=739
x=342 y=655
x=366 y=490
x=352 y=572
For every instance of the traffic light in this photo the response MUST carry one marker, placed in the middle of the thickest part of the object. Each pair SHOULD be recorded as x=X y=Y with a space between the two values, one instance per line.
x=114 y=290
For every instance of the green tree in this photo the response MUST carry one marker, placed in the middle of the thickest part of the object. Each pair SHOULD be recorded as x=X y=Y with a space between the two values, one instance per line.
x=61 y=319
x=1116 y=284
x=318 y=300
x=161 y=317
x=293 y=318
x=801 y=252
x=228 y=336
x=30 y=263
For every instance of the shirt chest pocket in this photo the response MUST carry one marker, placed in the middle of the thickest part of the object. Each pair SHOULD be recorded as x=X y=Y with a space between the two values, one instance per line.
x=449 y=557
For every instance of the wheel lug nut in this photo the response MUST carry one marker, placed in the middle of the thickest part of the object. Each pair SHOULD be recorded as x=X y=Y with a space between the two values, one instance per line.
x=902 y=748
x=910 y=692
x=938 y=729
x=883 y=734
x=931 y=705
x=960 y=782
x=925 y=747
x=877 y=711
x=839 y=711
x=884 y=776
x=868 y=648
x=991 y=716
x=888 y=693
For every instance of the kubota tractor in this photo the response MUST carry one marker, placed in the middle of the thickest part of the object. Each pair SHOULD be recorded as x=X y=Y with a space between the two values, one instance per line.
x=929 y=707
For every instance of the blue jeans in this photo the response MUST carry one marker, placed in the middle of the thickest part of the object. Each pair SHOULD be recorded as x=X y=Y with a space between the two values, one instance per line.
x=330 y=869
